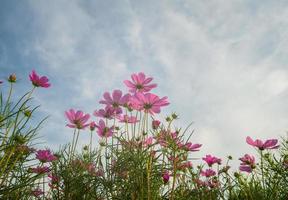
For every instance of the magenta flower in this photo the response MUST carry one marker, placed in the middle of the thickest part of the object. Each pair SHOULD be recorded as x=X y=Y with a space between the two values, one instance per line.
x=210 y=160
x=208 y=173
x=116 y=99
x=40 y=169
x=268 y=144
x=103 y=130
x=155 y=124
x=192 y=147
x=108 y=113
x=148 y=102
x=45 y=156
x=128 y=119
x=37 y=81
x=77 y=120
x=140 y=83
x=165 y=177
x=248 y=163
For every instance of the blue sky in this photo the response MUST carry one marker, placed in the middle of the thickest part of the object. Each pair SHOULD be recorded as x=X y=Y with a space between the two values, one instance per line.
x=223 y=64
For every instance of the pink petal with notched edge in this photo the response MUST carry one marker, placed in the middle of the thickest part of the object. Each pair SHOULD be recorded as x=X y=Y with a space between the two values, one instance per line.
x=141 y=77
x=116 y=95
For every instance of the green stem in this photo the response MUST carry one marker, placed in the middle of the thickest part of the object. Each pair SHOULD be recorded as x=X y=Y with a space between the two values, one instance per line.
x=71 y=147
x=8 y=98
x=262 y=170
x=91 y=142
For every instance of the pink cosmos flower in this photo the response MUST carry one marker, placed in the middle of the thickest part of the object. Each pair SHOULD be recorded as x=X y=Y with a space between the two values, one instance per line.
x=165 y=177
x=192 y=147
x=148 y=102
x=140 y=83
x=155 y=124
x=92 y=126
x=103 y=130
x=247 y=160
x=45 y=156
x=116 y=99
x=77 y=119
x=1 y=82
x=148 y=142
x=248 y=163
x=208 y=173
x=37 y=192
x=268 y=144
x=210 y=160
x=40 y=170
x=109 y=112
x=37 y=81
x=127 y=119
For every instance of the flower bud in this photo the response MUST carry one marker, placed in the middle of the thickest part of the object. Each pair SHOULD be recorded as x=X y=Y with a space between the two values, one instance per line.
x=12 y=78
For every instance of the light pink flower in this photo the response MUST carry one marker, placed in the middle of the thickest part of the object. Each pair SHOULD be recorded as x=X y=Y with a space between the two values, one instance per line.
x=247 y=160
x=248 y=163
x=116 y=100
x=40 y=169
x=77 y=119
x=148 y=102
x=108 y=113
x=268 y=144
x=127 y=119
x=210 y=160
x=148 y=142
x=103 y=130
x=45 y=156
x=155 y=124
x=37 y=81
x=192 y=147
x=140 y=83
x=208 y=173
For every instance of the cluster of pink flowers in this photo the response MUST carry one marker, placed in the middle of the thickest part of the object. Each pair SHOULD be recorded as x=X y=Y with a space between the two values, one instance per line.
x=45 y=156
x=139 y=99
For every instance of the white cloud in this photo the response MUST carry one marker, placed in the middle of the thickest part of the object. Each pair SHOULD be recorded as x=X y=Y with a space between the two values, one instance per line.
x=221 y=64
